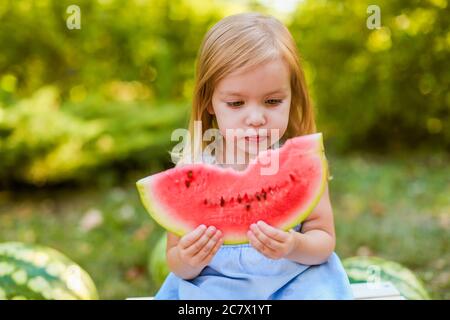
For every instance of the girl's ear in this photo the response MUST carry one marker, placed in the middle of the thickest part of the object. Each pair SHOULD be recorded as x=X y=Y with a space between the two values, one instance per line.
x=210 y=109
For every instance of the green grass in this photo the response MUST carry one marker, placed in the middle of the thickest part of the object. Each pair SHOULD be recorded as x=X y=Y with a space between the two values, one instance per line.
x=397 y=208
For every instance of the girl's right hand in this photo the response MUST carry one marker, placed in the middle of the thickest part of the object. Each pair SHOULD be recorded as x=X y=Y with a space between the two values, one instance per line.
x=198 y=247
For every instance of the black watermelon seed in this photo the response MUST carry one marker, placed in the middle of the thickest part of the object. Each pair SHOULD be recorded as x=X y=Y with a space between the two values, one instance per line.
x=264 y=195
x=187 y=183
x=247 y=206
x=239 y=199
x=222 y=202
x=258 y=197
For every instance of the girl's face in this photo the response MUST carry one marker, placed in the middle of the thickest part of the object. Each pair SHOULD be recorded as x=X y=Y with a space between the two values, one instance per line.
x=254 y=99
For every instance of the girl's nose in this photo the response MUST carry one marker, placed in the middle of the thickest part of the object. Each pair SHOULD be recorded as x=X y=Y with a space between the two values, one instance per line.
x=255 y=118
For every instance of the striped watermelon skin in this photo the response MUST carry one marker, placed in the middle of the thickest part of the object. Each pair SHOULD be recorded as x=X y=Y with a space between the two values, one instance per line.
x=34 y=272
x=369 y=269
x=157 y=265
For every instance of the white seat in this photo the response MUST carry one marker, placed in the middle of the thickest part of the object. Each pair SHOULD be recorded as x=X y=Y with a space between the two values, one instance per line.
x=361 y=291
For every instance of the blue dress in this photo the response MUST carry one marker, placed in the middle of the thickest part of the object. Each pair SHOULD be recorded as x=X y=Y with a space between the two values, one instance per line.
x=240 y=272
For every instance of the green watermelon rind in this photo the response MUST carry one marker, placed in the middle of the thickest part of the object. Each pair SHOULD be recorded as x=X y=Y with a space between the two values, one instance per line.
x=403 y=279
x=314 y=203
x=150 y=203
x=157 y=265
x=24 y=257
x=147 y=199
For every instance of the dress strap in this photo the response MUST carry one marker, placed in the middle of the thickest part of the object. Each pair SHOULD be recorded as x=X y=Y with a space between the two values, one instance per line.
x=298 y=227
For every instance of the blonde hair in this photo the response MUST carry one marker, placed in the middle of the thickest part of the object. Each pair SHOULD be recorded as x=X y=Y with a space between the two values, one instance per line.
x=242 y=41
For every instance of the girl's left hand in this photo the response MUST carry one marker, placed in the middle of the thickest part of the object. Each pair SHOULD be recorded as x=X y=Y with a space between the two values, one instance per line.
x=271 y=242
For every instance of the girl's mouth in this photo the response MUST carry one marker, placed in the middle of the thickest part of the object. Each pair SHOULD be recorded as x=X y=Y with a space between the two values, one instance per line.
x=255 y=138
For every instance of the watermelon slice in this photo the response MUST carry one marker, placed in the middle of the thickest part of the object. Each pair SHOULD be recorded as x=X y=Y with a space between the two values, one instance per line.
x=181 y=198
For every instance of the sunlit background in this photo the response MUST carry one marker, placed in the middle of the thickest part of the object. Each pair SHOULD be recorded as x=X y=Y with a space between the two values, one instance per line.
x=86 y=112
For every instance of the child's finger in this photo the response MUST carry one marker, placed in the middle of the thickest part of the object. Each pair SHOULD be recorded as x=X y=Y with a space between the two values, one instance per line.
x=200 y=243
x=209 y=246
x=259 y=245
x=268 y=242
x=213 y=250
x=191 y=237
x=272 y=232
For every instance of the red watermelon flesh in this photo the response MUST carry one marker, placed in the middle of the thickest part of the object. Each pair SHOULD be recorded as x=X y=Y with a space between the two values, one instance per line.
x=182 y=198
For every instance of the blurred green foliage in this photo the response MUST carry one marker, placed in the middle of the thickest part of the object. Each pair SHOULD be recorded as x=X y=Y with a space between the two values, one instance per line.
x=152 y=42
x=76 y=103
x=384 y=89
x=46 y=142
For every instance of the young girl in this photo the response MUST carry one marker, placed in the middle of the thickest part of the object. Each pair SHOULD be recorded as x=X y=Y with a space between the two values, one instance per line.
x=249 y=77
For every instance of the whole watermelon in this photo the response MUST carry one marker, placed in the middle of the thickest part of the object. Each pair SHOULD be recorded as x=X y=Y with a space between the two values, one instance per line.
x=29 y=271
x=369 y=269
x=157 y=266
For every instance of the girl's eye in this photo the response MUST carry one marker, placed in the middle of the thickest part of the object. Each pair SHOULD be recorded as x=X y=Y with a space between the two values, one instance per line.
x=274 y=101
x=235 y=103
